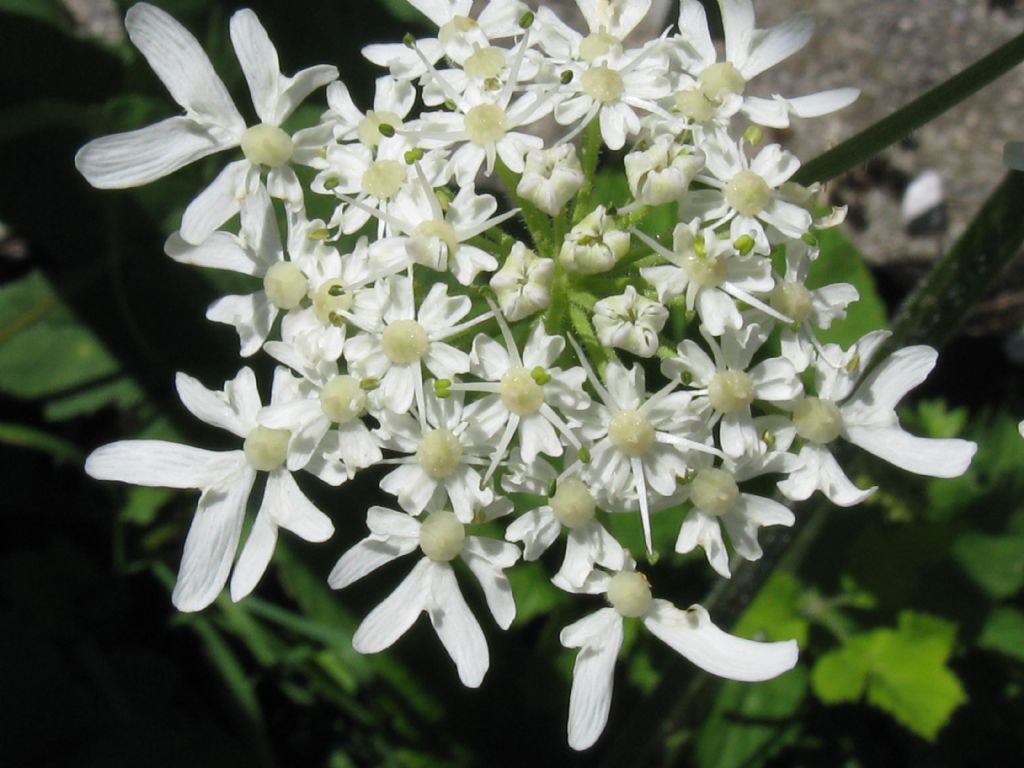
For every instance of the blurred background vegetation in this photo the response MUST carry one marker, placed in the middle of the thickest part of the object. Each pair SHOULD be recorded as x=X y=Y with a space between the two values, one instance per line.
x=908 y=610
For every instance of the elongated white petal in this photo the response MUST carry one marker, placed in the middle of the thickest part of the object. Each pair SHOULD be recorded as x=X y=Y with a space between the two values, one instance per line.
x=921 y=455
x=393 y=617
x=497 y=590
x=258 y=58
x=537 y=530
x=252 y=317
x=299 y=86
x=211 y=542
x=823 y=103
x=182 y=65
x=778 y=43
x=161 y=464
x=691 y=634
x=221 y=200
x=367 y=556
x=457 y=627
x=599 y=637
x=833 y=482
x=255 y=557
x=738 y=25
x=288 y=506
x=221 y=250
x=131 y=159
x=882 y=390
x=704 y=531
x=208 y=406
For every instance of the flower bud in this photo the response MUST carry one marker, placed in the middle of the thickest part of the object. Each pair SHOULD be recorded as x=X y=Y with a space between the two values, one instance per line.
x=551 y=177
x=523 y=284
x=594 y=245
x=662 y=173
x=630 y=322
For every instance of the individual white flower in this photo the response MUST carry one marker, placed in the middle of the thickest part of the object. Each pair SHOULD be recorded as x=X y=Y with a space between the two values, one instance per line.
x=551 y=177
x=712 y=275
x=523 y=284
x=399 y=339
x=225 y=479
x=570 y=505
x=638 y=443
x=392 y=101
x=689 y=633
x=662 y=172
x=631 y=322
x=440 y=451
x=522 y=392
x=809 y=309
x=431 y=586
x=717 y=501
x=718 y=90
x=728 y=383
x=211 y=122
x=862 y=409
x=594 y=245
x=746 y=193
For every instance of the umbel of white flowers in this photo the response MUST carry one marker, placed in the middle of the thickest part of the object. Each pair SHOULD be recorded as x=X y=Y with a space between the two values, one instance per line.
x=414 y=334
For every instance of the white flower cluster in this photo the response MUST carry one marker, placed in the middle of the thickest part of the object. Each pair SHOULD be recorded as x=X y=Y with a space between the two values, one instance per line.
x=501 y=379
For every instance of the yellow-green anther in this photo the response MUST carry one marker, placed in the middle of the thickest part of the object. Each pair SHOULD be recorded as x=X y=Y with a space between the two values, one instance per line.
x=768 y=439
x=492 y=83
x=442 y=388
x=444 y=197
x=853 y=364
x=450 y=105
x=336 y=290
x=413 y=156
x=744 y=244
x=810 y=239
x=331 y=183
x=753 y=135
x=386 y=130
x=541 y=376
x=319 y=234
x=409 y=41
x=566 y=77
x=335 y=319
x=584 y=455
x=698 y=246
x=652 y=558
x=369 y=384
x=526 y=20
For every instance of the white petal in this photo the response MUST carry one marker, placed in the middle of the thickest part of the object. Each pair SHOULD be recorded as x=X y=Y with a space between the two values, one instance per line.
x=255 y=557
x=885 y=386
x=211 y=542
x=835 y=484
x=823 y=103
x=537 y=529
x=288 y=506
x=180 y=63
x=259 y=62
x=221 y=200
x=778 y=43
x=367 y=556
x=221 y=250
x=252 y=317
x=738 y=25
x=497 y=591
x=132 y=159
x=457 y=627
x=161 y=464
x=208 y=406
x=691 y=634
x=390 y=620
x=704 y=531
x=599 y=637
x=922 y=455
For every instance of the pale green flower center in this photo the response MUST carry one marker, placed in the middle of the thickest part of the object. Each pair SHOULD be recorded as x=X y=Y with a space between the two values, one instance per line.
x=705 y=271
x=629 y=593
x=485 y=62
x=720 y=80
x=439 y=454
x=603 y=84
x=285 y=285
x=368 y=129
x=266 y=449
x=383 y=179
x=267 y=145
x=714 y=491
x=793 y=300
x=731 y=391
x=442 y=230
x=442 y=536
x=520 y=392
x=748 y=193
x=817 y=420
x=457 y=27
x=597 y=45
x=329 y=298
x=631 y=433
x=404 y=342
x=486 y=123
x=695 y=105
x=342 y=399
x=573 y=505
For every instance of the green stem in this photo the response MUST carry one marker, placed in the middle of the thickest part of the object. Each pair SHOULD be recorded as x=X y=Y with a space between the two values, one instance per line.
x=916 y=114
x=538 y=224
x=590 y=153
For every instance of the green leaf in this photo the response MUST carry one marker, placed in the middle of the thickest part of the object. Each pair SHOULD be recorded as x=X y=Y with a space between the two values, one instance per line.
x=402 y=11
x=1004 y=632
x=994 y=563
x=775 y=614
x=27 y=437
x=749 y=723
x=841 y=262
x=43 y=348
x=122 y=391
x=50 y=11
x=902 y=671
x=916 y=114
